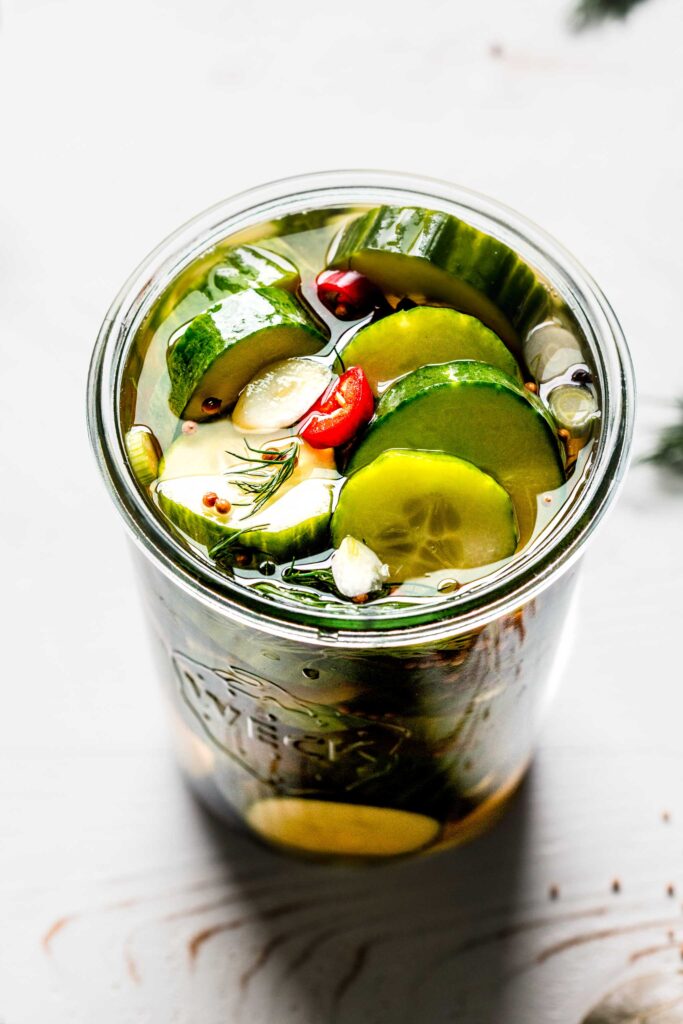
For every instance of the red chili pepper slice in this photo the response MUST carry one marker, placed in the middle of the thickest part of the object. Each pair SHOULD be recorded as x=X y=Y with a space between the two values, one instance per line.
x=348 y=294
x=336 y=417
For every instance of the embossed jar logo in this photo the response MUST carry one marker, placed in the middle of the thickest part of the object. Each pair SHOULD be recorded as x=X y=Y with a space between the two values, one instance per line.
x=288 y=744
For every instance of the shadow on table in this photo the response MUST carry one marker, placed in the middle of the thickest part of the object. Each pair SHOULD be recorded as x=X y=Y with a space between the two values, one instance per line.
x=416 y=941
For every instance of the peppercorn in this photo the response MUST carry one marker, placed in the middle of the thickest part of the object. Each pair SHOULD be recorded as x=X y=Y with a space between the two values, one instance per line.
x=582 y=376
x=222 y=506
x=211 y=405
x=273 y=456
x=210 y=499
x=531 y=386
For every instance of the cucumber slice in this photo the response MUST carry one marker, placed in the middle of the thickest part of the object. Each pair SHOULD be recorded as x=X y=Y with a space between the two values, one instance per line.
x=218 y=447
x=403 y=341
x=326 y=827
x=221 y=350
x=197 y=288
x=247 y=266
x=426 y=254
x=143 y=452
x=477 y=412
x=423 y=511
x=280 y=394
x=294 y=523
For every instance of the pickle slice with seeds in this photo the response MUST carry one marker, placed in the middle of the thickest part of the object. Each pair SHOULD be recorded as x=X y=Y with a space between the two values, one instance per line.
x=327 y=827
x=479 y=413
x=421 y=511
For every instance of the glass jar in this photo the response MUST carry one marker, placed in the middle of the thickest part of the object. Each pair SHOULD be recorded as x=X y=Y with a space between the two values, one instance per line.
x=335 y=733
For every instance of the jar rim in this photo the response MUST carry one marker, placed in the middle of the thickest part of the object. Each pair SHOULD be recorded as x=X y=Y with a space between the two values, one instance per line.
x=527 y=574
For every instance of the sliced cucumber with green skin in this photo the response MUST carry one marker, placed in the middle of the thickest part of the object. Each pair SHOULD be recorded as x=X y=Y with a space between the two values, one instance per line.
x=399 y=343
x=426 y=254
x=421 y=511
x=243 y=266
x=247 y=266
x=479 y=413
x=143 y=453
x=293 y=524
x=221 y=350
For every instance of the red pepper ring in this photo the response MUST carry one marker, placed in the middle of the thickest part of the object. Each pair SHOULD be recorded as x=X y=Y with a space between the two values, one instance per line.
x=348 y=294
x=339 y=413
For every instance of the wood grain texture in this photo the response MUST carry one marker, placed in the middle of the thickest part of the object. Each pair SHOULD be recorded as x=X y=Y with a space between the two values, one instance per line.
x=120 y=901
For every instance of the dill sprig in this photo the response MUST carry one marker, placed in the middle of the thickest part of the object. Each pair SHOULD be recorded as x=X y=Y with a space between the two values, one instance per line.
x=227 y=543
x=339 y=358
x=306 y=597
x=321 y=578
x=269 y=468
x=669 y=450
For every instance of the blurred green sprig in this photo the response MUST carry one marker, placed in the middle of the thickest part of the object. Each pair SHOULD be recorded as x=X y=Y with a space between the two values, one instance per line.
x=589 y=12
x=669 y=450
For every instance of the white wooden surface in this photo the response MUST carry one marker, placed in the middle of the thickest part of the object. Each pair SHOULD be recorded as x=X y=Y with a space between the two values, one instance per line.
x=119 y=901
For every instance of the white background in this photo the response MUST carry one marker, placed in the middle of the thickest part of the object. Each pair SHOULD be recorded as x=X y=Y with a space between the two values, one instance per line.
x=119 y=121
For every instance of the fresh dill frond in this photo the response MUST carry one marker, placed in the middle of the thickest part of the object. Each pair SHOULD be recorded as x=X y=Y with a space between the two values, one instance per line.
x=339 y=358
x=269 y=468
x=669 y=451
x=227 y=543
x=320 y=578
x=589 y=12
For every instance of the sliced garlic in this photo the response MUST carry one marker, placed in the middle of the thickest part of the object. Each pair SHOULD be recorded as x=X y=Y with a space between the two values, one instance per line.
x=549 y=351
x=280 y=394
x=356 y=569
